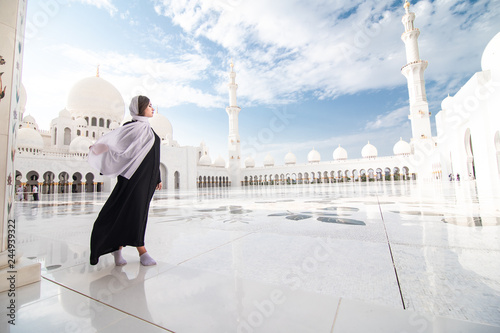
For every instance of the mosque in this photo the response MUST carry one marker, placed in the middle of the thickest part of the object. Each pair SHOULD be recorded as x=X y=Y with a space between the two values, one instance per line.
x=467 y=144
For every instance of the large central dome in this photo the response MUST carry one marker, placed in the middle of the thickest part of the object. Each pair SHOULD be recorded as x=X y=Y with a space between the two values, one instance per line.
x=95 y=97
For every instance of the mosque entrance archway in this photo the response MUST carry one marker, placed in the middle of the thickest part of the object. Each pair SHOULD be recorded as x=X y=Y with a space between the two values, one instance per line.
x=164 y=176
x=355 y=175
x=89 y=182
x=48 y=183
x=32 y=180
x=306 y=178
x=19 y=177
x=319 y=181
x=177 y=180
x=77 y=183
x=396 y=173
x=406 y=173
x=67 y=136
x=371 y=175
x=347 y=174
x=471 y=168
x=362 y=175
x=387 y=174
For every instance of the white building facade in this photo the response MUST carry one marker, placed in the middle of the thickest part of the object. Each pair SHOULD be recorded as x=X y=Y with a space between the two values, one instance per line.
x=468 y=125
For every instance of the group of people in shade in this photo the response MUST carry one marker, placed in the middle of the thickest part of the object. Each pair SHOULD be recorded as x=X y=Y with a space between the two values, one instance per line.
x=132 y=154
x=23 y=193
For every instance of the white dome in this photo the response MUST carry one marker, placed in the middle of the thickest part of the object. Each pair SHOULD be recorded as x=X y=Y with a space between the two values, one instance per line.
x=491 y=55
x=268 y=160
x=29 y=138
x=30 y=122
x=219 y=162
x=401 y=148
x=290 y=158
x=205 y=160
x=369 y=151
x=95 y=97
x=64 y=113
x=114 y=125
x=80 y=145
x=80 y=122
x=249 y=162
x=339 y=154
x=447 y=103
x=313 y=156
x=161 y=125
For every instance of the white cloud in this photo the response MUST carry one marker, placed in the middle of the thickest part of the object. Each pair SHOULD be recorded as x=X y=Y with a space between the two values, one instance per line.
x=101 y=4
x=283 y=48
x=166 y=83
x=393 y=118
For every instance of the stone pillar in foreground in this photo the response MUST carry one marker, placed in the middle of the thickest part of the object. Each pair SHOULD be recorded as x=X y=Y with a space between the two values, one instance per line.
x=12 y=25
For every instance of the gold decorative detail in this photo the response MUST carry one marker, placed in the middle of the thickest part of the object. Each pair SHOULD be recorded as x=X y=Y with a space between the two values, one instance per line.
x=97 y=73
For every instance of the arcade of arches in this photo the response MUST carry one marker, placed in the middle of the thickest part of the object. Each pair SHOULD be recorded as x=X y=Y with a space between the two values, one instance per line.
x=370 y=175
x=49 y=183
x=213 y=181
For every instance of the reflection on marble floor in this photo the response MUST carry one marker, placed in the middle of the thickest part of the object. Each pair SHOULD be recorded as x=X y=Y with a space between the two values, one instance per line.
x=315 y=258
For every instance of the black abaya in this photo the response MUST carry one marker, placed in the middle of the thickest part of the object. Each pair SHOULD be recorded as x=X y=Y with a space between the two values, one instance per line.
x=123 y=218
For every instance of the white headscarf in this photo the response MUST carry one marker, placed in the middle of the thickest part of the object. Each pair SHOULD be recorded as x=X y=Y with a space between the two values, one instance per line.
x=120 y=152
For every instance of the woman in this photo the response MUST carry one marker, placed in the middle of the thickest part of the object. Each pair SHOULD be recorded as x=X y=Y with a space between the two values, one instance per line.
x=131 y=152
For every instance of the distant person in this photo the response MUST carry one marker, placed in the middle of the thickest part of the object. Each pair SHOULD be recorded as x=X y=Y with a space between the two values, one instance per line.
x=451 y=177
x=458 y=177
x=25 y=191
x=35 y=193
x=19 y=192
x=131 y=152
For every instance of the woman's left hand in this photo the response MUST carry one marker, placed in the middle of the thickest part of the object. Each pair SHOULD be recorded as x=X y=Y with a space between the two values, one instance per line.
x=159 y=186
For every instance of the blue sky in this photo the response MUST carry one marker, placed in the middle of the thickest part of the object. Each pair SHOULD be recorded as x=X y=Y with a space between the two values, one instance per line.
x=311 y=74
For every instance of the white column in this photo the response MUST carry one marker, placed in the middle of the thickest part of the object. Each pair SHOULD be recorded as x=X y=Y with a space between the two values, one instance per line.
x=234 y=150
x=414 y=73
x=12 y=23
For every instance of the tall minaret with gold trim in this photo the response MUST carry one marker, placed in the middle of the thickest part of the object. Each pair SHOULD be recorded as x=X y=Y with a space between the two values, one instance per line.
x=234 y=149
x=414 y=73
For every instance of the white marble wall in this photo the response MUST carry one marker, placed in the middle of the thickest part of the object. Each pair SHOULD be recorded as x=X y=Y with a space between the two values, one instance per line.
x=12 y=19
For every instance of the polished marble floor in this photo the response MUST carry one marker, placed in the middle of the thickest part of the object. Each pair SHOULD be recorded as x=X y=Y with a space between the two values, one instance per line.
x=376 y=257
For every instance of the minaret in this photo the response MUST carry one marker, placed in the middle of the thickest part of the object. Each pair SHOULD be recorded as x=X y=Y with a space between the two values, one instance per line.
x=414 y=73
x=234 y=137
